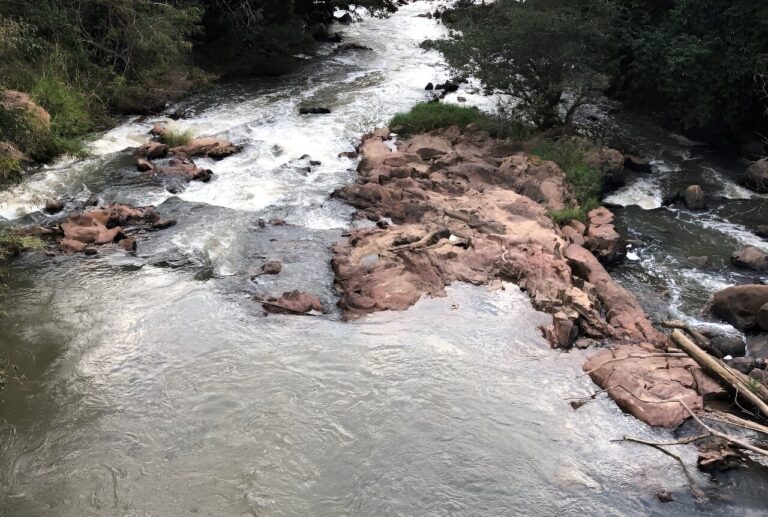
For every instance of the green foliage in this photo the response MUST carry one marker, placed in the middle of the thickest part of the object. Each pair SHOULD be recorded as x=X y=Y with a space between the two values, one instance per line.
x=427 y=116
x=12 y=244
x=10 y=168
x=585 y=181
x=550 y=56
x=565 y=215
x=701 y=61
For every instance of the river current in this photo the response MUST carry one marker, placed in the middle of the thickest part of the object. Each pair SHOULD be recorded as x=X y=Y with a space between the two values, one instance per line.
x=153 y=385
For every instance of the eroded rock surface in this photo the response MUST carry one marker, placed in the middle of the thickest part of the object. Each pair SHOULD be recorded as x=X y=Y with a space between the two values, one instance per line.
x=646 y=383
x=462 y=207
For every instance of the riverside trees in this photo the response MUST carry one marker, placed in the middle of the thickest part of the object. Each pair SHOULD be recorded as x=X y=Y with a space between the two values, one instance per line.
x=701 y=64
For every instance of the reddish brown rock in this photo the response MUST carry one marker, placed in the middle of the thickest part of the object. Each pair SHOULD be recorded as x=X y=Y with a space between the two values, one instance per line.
x=102 y=226
x=53 y=206
x=467 y=220
x=214 y=148
x=647 y=384
x=294 y=302
x=750 y=258
x=183 y=167
x=152 y=151
x=144 y=165
x=602 y=239
x=71 y=245
x=158 y=130
x=128 y=244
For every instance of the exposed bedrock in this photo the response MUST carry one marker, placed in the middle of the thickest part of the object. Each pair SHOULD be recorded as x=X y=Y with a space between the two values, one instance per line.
x=457 y=205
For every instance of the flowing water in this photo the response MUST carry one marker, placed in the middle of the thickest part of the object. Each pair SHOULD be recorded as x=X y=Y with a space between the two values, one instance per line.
x=153 y=385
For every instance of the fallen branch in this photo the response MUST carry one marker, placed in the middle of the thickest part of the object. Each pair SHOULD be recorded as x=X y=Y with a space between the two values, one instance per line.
x=733 y=440
x=727 y=418
x=692 y=486
x=699 y=338
x=725 y=374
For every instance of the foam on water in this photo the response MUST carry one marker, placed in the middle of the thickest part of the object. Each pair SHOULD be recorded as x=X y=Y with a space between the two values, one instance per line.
x=644 y=192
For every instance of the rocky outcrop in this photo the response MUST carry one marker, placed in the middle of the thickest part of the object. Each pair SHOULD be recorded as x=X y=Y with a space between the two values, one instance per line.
x=467 y=208
x=180 y=166
x=462 y=210
x=743 y=306
x=756 y=176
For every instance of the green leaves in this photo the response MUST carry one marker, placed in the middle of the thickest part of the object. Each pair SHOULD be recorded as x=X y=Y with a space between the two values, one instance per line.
x=551 y=56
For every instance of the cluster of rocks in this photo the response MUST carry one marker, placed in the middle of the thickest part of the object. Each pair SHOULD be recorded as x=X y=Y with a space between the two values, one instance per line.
x=159 y=160
x=456 y=205
x=89 y=228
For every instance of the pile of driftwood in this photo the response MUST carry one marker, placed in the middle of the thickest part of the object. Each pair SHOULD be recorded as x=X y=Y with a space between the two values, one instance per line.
x=716 y=447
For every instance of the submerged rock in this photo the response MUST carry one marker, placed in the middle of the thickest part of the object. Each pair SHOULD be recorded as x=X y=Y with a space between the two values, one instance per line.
x=294 y=302
x=750 y=258
x=314 y=111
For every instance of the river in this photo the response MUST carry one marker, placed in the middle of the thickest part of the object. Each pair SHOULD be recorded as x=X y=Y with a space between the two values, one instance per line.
x=153 y=385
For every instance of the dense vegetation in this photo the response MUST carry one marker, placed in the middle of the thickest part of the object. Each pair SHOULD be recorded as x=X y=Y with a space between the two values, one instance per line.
x=700 y=64
x=82 y=60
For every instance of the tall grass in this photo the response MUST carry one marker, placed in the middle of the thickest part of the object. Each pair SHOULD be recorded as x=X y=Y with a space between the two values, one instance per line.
x=425 y=117
x=177 y=137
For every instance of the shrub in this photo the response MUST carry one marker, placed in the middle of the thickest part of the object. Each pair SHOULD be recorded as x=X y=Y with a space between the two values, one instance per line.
x=176 y=137
x=12 y=244
x=585 y=181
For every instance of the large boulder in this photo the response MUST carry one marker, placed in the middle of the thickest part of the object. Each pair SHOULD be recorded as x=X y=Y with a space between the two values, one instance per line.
x=740 y=306
x=750 y=258
x=647 y=384
x=756 y=176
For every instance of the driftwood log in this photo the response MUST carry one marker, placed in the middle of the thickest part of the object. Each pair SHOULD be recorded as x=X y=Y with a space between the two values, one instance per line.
x=727 y=376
